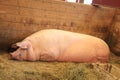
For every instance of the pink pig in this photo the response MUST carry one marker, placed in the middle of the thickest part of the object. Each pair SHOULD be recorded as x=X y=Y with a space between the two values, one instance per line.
x=59 y=45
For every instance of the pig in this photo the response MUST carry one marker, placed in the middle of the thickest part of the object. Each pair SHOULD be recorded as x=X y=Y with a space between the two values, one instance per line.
x=63 y=46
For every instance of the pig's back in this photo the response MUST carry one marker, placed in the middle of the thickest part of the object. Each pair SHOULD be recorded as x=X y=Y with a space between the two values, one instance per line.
x=53 y=37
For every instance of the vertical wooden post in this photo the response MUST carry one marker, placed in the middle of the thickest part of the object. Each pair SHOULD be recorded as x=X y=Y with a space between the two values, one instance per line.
x=81 y=1
x=77 y=1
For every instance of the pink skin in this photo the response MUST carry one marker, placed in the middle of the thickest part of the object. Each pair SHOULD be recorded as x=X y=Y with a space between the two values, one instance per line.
x=27 y=52
x=91 y=52
x=59 y=45
x=24 y=52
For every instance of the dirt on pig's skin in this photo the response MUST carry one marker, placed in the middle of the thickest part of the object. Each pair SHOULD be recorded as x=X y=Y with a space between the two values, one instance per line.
x=24 y=70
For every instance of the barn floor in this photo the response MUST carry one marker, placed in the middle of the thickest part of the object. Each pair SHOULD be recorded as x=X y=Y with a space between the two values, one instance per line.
x=23 y=70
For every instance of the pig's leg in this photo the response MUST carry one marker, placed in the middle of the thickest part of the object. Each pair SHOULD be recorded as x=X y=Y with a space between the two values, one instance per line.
x=48 y=57
x=103 y=59
x=51 y=55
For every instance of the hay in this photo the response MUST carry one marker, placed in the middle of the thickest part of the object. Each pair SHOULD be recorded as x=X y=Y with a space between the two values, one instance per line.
x=23 y=70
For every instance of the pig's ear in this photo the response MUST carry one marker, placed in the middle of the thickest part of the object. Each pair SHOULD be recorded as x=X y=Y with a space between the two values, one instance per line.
x=21 y=45
x=14 y=46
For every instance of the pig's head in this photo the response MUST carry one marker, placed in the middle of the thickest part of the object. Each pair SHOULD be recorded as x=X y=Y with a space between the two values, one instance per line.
x=24 y=51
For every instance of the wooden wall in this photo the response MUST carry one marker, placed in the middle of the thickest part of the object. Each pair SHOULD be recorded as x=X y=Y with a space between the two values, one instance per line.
x=20 y=18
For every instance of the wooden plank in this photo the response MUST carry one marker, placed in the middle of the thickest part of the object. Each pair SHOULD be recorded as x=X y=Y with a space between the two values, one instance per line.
x=43 y=3
x=63 y=7
x=96 y=26
x=37 y=20
x=49 y=15
x=9 y=2
x=54 y=6
x=5 y=9
x=35 y=27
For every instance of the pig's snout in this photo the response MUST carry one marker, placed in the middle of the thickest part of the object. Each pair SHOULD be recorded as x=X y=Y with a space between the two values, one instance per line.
x=18 y=55
x=13 y=55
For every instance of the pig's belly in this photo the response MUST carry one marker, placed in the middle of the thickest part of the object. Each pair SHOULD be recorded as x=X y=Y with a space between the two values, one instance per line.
x=85 y=52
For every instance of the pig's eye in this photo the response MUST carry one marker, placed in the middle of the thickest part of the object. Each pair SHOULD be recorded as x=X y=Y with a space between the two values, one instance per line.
x=20 y=55
x=23 y=48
